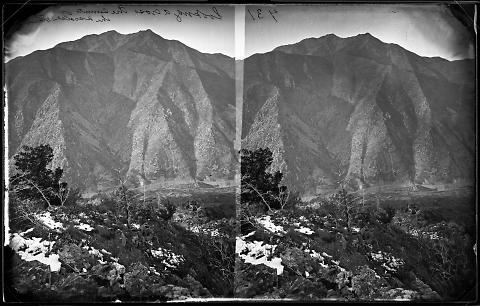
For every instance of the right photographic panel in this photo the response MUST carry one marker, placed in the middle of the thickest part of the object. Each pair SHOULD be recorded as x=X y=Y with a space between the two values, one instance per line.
x=358 y=153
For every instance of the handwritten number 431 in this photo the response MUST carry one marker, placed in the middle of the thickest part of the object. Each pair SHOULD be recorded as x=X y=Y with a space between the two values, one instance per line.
x=260 y=14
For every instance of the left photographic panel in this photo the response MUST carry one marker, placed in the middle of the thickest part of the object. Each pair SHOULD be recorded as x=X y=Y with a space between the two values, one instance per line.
x=120 y=163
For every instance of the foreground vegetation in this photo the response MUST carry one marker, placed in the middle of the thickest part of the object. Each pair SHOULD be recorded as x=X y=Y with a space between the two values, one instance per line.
x=344 y=248
x=114 y=247
x=122 y=246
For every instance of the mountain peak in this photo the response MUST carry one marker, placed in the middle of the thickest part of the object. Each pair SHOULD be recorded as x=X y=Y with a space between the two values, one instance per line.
x=112 y=32
x=331 y=35
x=367 y=36
x=147 y=32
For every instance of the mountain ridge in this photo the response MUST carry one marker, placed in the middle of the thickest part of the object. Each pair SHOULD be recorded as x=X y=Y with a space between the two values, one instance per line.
x=391 y=112
x=359 y=36
x=151 y=107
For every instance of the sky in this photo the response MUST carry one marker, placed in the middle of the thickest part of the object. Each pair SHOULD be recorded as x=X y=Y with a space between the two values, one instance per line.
x=206 y=34
x=428 y=30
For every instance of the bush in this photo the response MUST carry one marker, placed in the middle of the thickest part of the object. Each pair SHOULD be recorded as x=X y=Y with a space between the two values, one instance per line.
x=168 y=211
x=385 y=214
x=143 y=211
x=344 y=207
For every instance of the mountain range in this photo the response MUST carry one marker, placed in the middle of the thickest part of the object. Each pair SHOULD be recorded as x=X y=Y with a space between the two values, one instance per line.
x=115 y=106
x=360 y=112
x=333 y=111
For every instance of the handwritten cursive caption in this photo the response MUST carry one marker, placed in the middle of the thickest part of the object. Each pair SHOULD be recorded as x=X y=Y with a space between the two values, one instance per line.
x=105 y=15
x=259 y=14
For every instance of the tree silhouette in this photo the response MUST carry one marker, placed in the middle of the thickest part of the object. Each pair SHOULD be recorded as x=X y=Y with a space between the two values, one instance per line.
x=257 y=184
x=34 y=181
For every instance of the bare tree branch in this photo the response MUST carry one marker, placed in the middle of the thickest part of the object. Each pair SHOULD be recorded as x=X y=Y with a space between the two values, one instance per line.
x=261 y=196
x=38 y=189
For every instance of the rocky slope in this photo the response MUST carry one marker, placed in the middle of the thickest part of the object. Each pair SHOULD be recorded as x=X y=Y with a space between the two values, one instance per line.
x=150 y=106
x=360 y=111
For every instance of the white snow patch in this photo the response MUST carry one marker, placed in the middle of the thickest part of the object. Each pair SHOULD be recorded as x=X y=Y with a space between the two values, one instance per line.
x=105 y=252
x=326 y=255
x=304 y=230
x=93 y=251
x=120 y=268
x=48 y=221
x=169 y=259
x=197 y=229
x=214 y=233
x=84 y=227
x=314 y=254
x=154 y=271
x=267 y=223
x=26 y=232
x=256 y=253
x=248 y=235
x=35 y=249
x=389 y=262
x=194 y=228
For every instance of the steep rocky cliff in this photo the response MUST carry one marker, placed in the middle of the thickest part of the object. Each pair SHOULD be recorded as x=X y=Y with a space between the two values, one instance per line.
x=149 y=106
x=360 y=111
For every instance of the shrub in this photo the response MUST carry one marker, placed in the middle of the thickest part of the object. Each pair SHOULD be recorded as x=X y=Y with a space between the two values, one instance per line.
x=143 y=211
x=167 y=212
x=385 y=214
x=364 y=215
x=344 y=206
